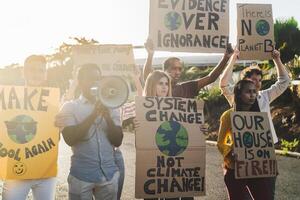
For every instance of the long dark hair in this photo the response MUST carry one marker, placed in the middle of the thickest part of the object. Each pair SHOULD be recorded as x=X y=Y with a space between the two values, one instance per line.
x=237 y=96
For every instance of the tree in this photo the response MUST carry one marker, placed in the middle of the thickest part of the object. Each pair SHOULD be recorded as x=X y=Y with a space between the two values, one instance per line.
x=287 y=36
x=60 y=63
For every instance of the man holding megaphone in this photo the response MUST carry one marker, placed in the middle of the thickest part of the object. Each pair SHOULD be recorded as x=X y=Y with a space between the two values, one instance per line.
x=93 y=131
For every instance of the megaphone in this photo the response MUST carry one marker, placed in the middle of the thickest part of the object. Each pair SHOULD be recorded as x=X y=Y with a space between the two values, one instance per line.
x=112 y=91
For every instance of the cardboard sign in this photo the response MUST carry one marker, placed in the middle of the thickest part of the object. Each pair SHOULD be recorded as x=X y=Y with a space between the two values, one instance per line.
x=170 y=148
x=115 y=60
x=253 y=145
x=28 y=138
x=189 y=25
x=255 y=31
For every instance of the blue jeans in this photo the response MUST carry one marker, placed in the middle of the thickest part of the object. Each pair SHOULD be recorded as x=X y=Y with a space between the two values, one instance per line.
x=120 y=163
x=81 y=190
x=19 y=189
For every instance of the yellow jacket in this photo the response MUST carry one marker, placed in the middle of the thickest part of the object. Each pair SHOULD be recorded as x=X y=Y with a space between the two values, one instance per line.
x=225 y=141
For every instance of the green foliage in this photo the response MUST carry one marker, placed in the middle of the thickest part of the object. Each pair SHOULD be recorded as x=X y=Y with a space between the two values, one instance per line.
x=287 y=36
x=289 y=146
x=294 y=67
x=193 y=72
x=238 y=68
x=213 y=94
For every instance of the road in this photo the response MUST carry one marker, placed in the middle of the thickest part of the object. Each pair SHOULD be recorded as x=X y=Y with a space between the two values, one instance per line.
x=287 y=186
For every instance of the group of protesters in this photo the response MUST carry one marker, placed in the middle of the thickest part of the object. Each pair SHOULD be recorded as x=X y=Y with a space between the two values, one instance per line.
x=94 y=132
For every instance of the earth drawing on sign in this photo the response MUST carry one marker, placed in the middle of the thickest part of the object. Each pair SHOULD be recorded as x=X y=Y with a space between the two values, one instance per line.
x=173 y=21
x=21 y=129
x=262 y=27
x=171 y=138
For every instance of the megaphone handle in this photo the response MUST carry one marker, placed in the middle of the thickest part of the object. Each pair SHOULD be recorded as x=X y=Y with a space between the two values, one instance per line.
x=103 y=110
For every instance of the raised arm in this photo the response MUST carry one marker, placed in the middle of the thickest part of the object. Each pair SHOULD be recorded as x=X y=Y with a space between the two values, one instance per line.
x=281 y=70
x=136 y=78
x=215 y=73
x=283 y=79
x=147 y=69
x=226 y=83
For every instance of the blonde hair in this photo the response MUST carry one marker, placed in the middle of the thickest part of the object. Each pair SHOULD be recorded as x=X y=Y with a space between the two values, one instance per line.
x=151 y=82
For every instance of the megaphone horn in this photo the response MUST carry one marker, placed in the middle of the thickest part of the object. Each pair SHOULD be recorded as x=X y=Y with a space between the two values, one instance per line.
x=112 y=91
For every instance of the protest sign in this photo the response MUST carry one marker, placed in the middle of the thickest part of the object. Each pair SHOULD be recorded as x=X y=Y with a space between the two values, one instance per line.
x=253 y=145
x=115 y=60
x=189 y=25
x=28 y=138
x=255 y=31
x=170 y=158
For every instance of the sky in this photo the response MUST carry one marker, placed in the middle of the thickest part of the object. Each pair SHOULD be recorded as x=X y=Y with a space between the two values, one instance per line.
x=40 y=26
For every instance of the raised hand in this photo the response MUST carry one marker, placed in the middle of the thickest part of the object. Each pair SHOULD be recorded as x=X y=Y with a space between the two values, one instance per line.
x=137 y=72
x=100 y=109
x=229 y=51
x=149 y=46
x=275 y=54
x=236 y=54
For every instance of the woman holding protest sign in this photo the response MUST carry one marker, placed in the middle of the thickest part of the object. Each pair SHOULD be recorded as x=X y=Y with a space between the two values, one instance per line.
x=245 y=94
x=158 y=84
x=265 y=96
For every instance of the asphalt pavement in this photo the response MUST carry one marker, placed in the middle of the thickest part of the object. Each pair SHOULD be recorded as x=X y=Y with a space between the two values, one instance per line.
x=287 y=185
